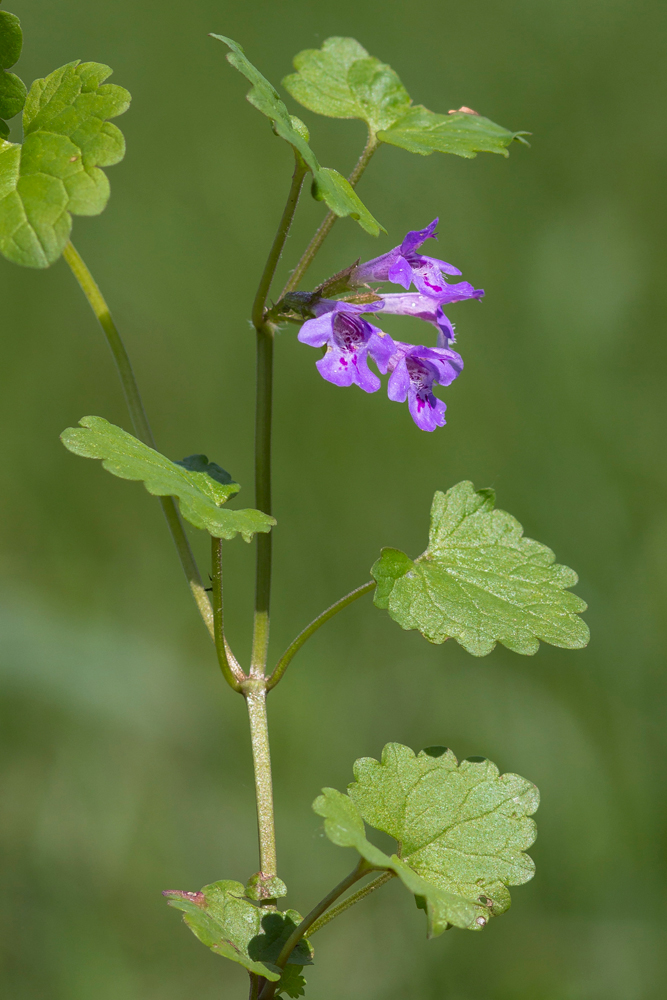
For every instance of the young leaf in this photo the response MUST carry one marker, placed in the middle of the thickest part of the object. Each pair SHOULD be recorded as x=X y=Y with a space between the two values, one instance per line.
x=235 y=928
x=481 y=582
x=328 y=185
x=341 y=80
x=292 y=983
x=56 y=172
x=199 y=494
x=461 y=829
x=461 y=132
x=12 y=89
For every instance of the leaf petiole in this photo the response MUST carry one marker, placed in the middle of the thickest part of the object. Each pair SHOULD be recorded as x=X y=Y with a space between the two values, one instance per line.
x=303 y=636
x=141 y=426
x=363 y=868
x=318 y=239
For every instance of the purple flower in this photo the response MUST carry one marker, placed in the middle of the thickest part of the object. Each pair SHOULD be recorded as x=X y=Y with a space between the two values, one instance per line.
x=414 y=372
x=403 y=265
x=349 y=339
x=429 y=308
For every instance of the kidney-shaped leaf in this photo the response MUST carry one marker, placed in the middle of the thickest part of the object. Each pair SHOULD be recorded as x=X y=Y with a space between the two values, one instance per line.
x=341 y=80
x=234 y=927
x=481 y=582
x=328 y=185
x=56 y=172
x=461 y=829
x=199 y=493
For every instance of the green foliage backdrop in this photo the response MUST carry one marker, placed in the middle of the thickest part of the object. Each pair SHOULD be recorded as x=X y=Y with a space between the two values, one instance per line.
x=125 y=760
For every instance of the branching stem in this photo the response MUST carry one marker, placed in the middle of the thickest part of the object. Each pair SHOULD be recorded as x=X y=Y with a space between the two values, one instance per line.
x=299 y=932
x=302 y=637
x=140 y=426
x=318 y=239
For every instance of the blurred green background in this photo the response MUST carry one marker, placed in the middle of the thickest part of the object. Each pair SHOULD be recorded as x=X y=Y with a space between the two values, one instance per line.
x=125 y=761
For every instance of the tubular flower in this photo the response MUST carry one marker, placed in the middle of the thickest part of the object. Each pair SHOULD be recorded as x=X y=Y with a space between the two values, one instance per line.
x=403 y=265
x=429 y=307
x=414 y=372
x=349 y=340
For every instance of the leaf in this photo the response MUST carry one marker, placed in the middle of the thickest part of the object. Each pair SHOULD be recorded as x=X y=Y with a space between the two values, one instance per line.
x=328 y=185
x=12 y=89
x=463 y=133
x=341 y=80
x=481 y=582
x=236 y=928
x=56 y=172
x=199 y=494
x=461 y=829
x=260 y=886
x=291 y=982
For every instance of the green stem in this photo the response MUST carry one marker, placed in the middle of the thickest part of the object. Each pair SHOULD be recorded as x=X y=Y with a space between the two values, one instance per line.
x=255 y=696
x=140 y=426
x=302 y=637
x=324 y=230
x=229 y=665
x=263 y=413
x=292 y=941
x=356 y=897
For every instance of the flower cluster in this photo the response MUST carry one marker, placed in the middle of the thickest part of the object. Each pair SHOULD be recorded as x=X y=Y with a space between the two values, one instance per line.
x=351 y=340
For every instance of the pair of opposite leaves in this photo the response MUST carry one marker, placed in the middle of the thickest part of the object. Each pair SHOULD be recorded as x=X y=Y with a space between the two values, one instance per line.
x=56 y=172
x=479 y=580
x=461 y=829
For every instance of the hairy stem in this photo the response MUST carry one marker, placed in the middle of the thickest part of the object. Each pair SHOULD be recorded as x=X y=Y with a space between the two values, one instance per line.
x=263 y=413
x=324 y=230
x=302 y=637
x=356 y=897
x=229 y=665
x=140 y=426
x=299 y=932
x=255 y=696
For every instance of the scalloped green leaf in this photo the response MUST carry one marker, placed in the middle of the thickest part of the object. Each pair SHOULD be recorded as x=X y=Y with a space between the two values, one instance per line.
x=462 y=829
x=341 y=80
x=481 y=582
x=328 y=185
x=199 y=494
x=464 y=133
x=235 y=928
x=56 y=172
x=12 y=89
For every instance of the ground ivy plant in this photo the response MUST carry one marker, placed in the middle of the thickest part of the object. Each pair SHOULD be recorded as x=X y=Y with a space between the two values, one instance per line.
x=461 y=828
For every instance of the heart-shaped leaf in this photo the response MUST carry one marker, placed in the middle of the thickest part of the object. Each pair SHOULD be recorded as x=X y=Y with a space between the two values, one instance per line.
x=461 y=829
x=200 y=495
x=481 y=582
